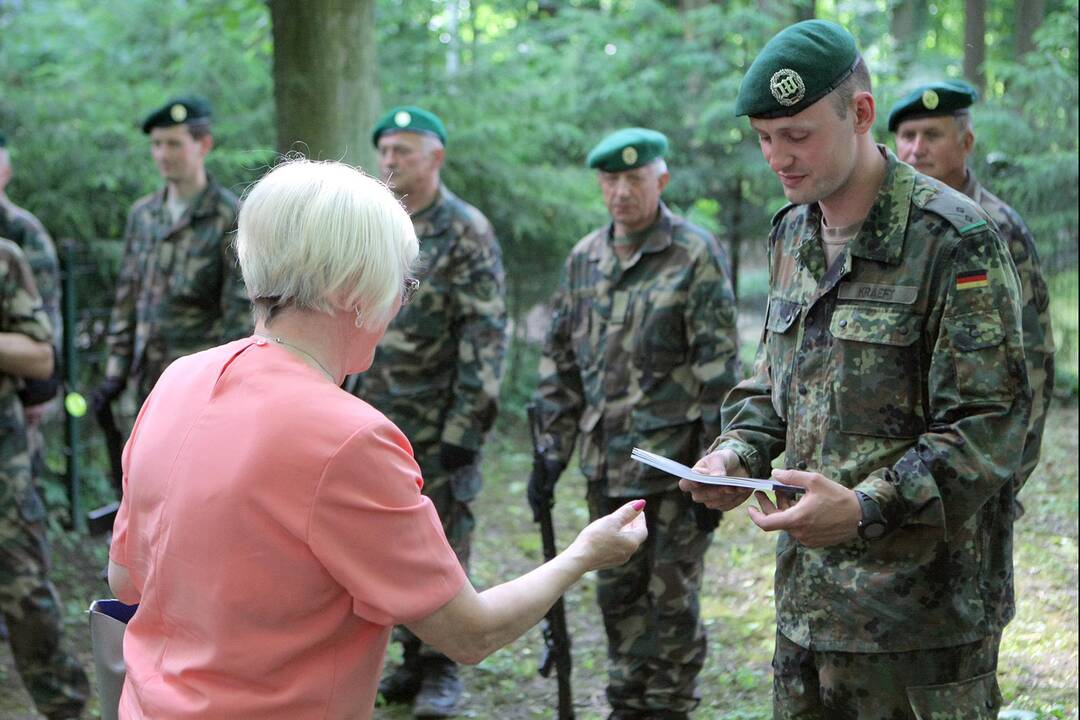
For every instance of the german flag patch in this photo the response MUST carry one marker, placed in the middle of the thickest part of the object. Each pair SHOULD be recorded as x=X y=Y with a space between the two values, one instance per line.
x=971 y=279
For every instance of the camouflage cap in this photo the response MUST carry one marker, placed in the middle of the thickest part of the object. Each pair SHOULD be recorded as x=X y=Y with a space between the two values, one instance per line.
x=800 y=65
x=409 y=118
x=180 y=110
x=627 y=149
x=947 y=97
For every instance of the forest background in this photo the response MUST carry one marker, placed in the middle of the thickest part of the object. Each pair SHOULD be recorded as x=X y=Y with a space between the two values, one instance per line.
x=526 y=87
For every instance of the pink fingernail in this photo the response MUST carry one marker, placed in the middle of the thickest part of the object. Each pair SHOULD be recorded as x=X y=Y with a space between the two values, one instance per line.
x=638 y=504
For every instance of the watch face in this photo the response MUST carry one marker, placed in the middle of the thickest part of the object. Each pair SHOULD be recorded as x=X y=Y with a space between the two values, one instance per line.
x=872 y=531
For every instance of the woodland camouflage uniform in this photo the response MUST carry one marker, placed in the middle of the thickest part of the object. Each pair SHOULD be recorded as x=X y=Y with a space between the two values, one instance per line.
x=898 y=372
x=642 y=354
x=437 y=370
x=179 y=289
x=1035 y=323
x=29 y=602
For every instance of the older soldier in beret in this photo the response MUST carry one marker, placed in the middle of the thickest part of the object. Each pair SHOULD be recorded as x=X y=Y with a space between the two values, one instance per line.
x=179 y=288
x=26 y=231
x=641 y=351
x=934 y=133
x=28 y=600
x=436 y=372
x=891 y=377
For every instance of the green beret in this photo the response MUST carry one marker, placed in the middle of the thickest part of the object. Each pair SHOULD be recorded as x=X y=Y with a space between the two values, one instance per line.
x=411 y=119
x=627 y=149
x=800 y=65
x=178 y=111
x=947 y=97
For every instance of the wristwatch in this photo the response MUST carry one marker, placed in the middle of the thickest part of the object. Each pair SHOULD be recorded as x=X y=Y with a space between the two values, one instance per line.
x=872 y=524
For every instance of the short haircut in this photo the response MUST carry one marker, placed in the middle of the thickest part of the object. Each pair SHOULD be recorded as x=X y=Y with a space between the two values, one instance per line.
x=312 y=233
x=857 y=81
x=963 y=121
x=198 y=128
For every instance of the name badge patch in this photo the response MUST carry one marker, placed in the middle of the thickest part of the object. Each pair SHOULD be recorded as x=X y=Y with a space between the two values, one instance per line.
x=902 y=294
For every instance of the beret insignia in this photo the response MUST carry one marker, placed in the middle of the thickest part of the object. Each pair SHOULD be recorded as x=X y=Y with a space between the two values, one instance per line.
x=178 y=113
x=930 y=99
x=402 y=118
x=629 y=155
x=787 y=87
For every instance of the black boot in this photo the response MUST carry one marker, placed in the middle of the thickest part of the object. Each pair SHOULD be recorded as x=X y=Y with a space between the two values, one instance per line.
x=440 y=690
x=403 y=683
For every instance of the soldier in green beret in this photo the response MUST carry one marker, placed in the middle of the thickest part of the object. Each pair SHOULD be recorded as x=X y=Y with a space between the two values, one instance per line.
x=934 y=133
x=641 y=350
x=28 y=600
x=26 y=231
x=179 y=289
x=891 y=381
x=437 y=371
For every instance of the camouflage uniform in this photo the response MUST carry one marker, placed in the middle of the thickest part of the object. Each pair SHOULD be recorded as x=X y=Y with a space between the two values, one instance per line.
x=437 y=370
x=899 y=372
x=180 y=288
x=643 y=354
x=1035 y=323
x=28 y=600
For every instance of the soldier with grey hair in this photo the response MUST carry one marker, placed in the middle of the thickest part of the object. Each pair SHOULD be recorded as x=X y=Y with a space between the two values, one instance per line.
x=891 y=381
x=641 y=350
x=437 y=371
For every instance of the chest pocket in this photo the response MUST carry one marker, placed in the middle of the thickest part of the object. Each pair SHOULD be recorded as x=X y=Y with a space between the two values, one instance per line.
x=659 y=335
x=878 y=380
x=781 y=337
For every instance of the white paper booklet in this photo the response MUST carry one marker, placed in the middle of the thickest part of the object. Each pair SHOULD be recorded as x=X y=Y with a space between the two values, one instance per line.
x=679 y=470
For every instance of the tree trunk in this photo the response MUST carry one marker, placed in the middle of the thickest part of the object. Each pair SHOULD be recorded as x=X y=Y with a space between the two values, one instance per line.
x=325 y=88
x=907 y=25
x=1029 y=16
x=975 y=42
x=804 y=9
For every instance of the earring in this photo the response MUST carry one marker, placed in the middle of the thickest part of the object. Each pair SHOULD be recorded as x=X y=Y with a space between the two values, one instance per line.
x=359 y=317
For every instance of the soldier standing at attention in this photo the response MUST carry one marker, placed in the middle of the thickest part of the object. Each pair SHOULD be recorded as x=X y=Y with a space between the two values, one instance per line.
x=21 y=227
x=934 y=134
x=437 y=370
x=179 y=289
x=892 y=378
x=641 y=351
x=28 y=600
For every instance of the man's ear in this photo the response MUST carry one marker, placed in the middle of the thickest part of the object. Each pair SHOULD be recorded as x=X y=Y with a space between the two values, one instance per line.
x=663 y=179
x=206 y=142
x=865 y=111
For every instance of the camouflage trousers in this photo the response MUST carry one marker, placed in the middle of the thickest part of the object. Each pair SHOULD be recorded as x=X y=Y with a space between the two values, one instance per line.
x=30 y=604
x=952 y=683
x=656 y=641
x=451 y=495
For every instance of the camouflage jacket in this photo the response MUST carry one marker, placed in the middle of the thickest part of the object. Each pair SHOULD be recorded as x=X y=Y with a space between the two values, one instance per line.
x=898 y=371
x=21 y=311
x=1038 y=334
x=639 y=355
x=180 y=288
x=26 y=231
x=437 y=370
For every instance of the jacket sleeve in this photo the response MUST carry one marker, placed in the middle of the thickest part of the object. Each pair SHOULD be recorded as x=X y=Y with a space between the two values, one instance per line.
x=560 y=396
x=979 y=398
x=120 y=338
x=479 y=324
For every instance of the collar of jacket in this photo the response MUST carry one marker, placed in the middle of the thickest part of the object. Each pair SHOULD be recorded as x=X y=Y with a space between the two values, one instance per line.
x=205 y=203
x=435 y=219
x=881 y=236
x=657 y=237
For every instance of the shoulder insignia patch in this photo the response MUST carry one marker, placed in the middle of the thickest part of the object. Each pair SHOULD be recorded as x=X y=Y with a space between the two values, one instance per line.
x=970 y=279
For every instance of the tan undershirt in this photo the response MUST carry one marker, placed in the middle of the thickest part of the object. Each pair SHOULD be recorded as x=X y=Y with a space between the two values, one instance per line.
x=833 y=240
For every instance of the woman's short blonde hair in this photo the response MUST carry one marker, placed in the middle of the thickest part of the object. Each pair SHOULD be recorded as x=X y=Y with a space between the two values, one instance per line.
x=315 y=234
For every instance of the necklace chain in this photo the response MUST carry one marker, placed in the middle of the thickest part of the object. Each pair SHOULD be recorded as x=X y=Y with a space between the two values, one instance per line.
x=300 y=350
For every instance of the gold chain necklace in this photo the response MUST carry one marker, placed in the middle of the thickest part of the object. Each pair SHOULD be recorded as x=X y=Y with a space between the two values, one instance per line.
x=329 y=375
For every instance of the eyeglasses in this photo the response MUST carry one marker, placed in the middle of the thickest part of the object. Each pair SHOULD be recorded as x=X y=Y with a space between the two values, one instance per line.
x=409 y=288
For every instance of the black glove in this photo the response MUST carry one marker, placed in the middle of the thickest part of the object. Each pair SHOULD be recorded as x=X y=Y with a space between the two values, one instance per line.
x=35 y=392
x=541 y=492
x=452 y=457
x=107 y=390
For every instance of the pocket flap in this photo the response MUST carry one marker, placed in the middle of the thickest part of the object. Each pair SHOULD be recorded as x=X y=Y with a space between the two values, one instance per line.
x=977 y=698
x=782 y=315
x=880 y=325
x=975 y=331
